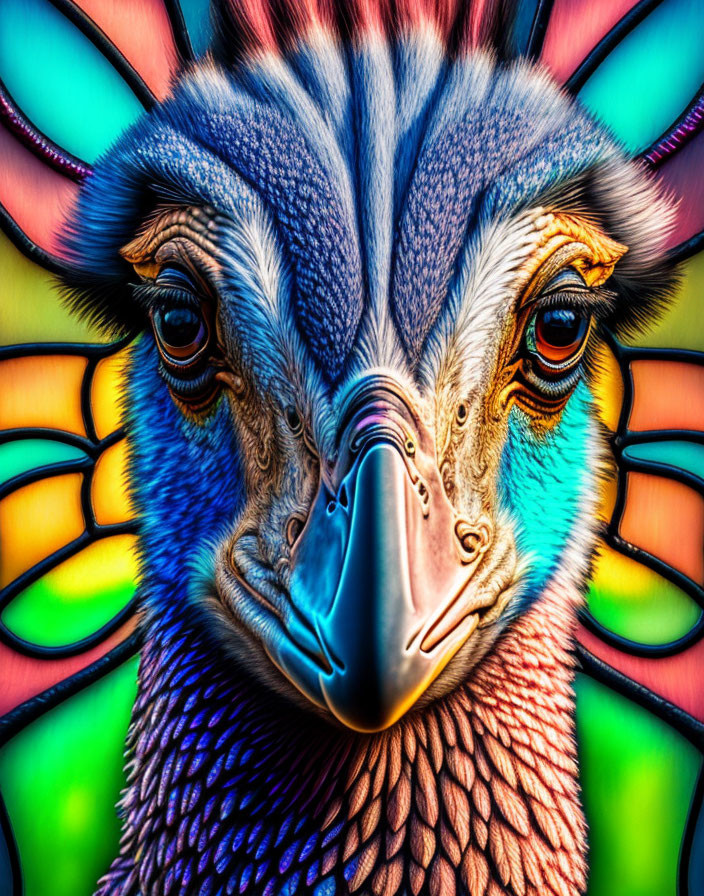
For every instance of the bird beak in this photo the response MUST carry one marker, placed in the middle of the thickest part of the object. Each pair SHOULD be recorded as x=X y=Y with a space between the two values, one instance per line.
x=380 y=571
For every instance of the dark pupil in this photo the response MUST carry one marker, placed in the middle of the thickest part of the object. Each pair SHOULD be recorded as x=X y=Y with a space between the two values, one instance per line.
x=179 y=327
x=560 y=326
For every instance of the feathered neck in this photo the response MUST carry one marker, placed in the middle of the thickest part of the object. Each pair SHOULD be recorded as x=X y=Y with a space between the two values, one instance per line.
x=231 y=791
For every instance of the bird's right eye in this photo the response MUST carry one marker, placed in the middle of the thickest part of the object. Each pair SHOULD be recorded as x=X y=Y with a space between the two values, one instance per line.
x=180 y=326
x=182 y=333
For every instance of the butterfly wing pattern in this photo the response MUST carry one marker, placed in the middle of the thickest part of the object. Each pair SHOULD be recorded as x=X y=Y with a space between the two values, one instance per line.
x=72 y=76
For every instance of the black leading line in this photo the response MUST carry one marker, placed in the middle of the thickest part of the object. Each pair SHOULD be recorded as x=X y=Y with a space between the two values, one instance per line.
x=96 y=36
x=93 y=531
x=588 y=66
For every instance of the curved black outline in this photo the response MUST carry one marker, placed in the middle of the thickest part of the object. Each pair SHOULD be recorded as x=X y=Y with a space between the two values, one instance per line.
x=64 y=651
x=637 y=648
x=92 y=446
x=538 y=29
x=44 y=472
x=182 y=38
x=32 y=138
x=13 y=852
x=18 y=718
x=689 y=727
x=51 y=263
x=91 y=533
x=691 y=246
x=609 y=41
x=97 y=350
x=99 y=39
x=621 y=439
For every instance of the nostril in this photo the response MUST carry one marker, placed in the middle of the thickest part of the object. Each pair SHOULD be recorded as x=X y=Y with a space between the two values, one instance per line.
x=294 y=527
x=343 y=497
x=473 y=540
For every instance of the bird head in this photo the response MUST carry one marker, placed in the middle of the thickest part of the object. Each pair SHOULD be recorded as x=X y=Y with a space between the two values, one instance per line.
x=371 y=269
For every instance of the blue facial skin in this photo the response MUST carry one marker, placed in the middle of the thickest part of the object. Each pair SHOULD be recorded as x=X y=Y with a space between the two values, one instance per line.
x=542 y=483
x=181 y=516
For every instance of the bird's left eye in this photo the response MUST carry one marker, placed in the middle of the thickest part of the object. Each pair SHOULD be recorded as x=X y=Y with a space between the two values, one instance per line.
x=556 y=336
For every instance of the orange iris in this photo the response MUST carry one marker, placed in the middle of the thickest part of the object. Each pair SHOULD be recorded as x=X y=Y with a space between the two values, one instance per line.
x=559 y=334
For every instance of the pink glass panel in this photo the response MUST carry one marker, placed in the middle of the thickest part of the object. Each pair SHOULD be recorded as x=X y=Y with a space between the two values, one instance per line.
x=141 y=31
x=36 y=196
x=575 y=28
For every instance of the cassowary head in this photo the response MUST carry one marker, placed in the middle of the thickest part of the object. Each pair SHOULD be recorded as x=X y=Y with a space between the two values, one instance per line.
x=371 y=266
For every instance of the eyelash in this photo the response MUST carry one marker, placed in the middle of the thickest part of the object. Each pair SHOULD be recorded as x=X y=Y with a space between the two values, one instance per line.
x=161 y=296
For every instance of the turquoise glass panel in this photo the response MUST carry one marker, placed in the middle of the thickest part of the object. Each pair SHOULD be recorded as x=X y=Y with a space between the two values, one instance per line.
x=22 y=455
x=60 y=80
x=196 y=14
x=688 y=456
x=652 y=75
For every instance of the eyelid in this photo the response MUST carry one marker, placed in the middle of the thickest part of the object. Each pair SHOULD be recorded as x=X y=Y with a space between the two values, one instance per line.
x=176 y=277
x=567 y=280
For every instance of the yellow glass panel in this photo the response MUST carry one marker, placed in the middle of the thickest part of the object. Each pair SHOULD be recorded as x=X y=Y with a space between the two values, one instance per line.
x=106 y=392
x=42 y=391
x=679 y=326
x=36 y=520
x=109 y=487
x=78 y=596
x=635 y=602
x=32 y=310
x=607 y=387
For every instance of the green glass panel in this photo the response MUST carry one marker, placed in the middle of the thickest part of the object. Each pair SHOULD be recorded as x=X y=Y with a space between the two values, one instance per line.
x=196 y=14
x=78 y=596
x=635 y=602
x=60 y=80
x=687 y=456
x=60 y=778
x=22 y=455
x=679 y=326
x=32 y=310
x=638 y=777
x=652 y=75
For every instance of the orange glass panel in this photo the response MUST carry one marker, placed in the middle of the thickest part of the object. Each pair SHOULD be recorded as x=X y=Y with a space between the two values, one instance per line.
x=667 y=395
x=108 y=490
x=36 y=197
x=677 y=678
x=42 y=390
x=36 y=520
x=149 y=47
x=666 y=519
x=105 y=393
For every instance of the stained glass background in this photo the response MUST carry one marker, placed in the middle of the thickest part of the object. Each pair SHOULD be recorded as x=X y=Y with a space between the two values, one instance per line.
x=72 y=76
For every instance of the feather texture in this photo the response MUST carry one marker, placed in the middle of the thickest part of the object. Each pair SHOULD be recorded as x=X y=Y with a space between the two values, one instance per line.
x=228 y=788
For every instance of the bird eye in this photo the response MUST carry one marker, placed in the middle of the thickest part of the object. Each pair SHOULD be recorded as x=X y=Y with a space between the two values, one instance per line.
x=293 y=418
x=556 y=336
x=181 y=332
x=461 y=413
